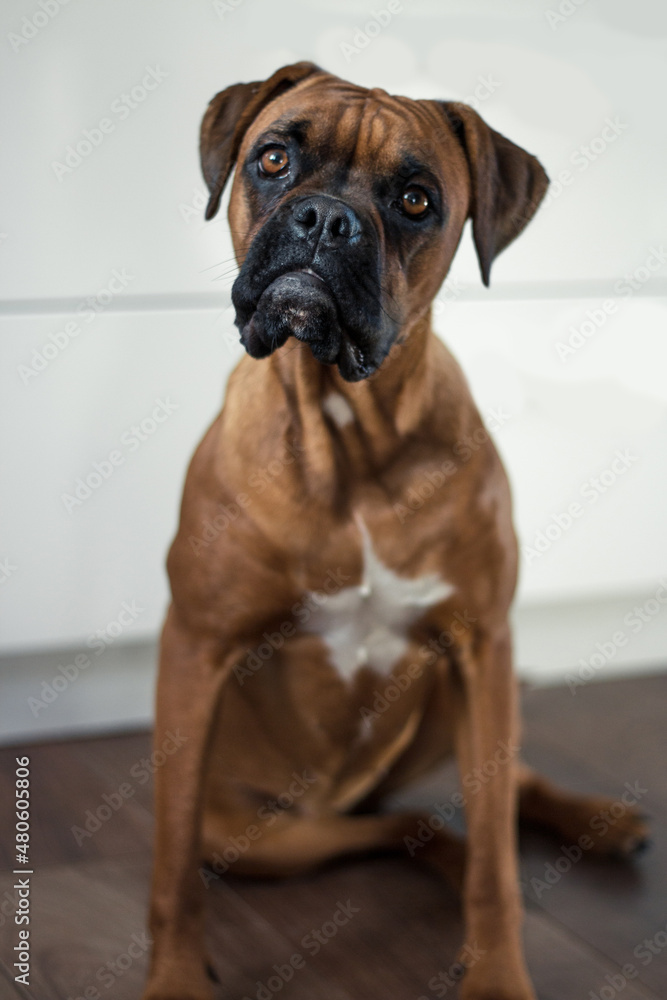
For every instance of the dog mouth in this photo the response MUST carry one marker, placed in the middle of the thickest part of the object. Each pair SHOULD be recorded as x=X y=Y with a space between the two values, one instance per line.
x=300 y=303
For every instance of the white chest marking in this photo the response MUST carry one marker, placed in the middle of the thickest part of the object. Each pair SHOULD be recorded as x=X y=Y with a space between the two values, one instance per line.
x=366 y=625
x=338 y=409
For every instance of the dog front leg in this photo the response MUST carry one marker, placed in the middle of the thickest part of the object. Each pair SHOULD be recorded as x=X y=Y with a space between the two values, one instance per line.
x=487 y=731
x=192 y=672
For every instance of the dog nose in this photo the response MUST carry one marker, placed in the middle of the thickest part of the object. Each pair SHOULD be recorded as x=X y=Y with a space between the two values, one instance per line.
x=325 y=220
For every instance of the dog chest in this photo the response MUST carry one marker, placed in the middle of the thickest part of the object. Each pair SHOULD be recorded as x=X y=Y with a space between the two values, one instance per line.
x=367 y=624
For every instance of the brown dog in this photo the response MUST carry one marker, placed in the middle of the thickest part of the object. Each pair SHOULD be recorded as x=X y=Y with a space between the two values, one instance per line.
x=305 y=580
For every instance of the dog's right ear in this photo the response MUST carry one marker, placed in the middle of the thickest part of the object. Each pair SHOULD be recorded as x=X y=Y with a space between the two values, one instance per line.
x=228 y=116
x=508 y=183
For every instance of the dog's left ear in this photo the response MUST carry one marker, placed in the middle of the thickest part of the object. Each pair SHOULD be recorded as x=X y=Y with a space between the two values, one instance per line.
x=507 y=183
x=228 y=116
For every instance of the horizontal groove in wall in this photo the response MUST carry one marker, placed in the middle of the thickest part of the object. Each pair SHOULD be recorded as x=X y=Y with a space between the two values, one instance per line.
x=186 y=301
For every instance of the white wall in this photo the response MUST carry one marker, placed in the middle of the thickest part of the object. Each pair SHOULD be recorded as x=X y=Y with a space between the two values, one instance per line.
x=164 y=330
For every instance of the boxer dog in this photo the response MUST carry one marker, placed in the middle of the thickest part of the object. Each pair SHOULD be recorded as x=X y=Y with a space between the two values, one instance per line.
x=346 y=560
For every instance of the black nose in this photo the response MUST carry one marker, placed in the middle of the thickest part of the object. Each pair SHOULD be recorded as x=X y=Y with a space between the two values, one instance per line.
x=325 y=220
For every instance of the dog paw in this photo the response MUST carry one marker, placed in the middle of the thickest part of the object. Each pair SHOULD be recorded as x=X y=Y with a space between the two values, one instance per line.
x=609 y=827
x=628 y=838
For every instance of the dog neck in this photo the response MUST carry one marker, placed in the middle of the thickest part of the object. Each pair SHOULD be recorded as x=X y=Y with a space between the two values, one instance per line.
x=363 y=427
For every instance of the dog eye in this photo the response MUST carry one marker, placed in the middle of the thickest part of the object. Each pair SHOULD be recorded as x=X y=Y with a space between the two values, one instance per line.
x=415 y=201
x=274 y=161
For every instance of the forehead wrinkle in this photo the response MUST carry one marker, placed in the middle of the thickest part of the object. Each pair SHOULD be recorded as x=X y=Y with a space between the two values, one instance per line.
x=379 y=118
x=366 y=128
x=375 y=126
x=371 y=129
x=412 y=123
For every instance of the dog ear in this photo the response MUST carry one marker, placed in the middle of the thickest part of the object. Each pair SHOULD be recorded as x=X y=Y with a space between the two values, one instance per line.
x=508 y=183
x=228 y=116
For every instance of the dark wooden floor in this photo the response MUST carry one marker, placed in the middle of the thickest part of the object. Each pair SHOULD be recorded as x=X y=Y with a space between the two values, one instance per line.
x=89 y=900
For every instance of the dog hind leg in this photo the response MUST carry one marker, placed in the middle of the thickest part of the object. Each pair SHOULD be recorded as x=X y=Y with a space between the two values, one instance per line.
x=613 y=826
x=298 y=844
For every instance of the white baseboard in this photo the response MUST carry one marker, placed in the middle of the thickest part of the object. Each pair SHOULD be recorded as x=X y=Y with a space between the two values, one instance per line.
x=46 y=696
x=591 y=640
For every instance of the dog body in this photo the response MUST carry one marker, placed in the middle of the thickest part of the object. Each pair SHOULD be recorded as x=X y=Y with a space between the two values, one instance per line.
x=346 y=560
x=333 y=610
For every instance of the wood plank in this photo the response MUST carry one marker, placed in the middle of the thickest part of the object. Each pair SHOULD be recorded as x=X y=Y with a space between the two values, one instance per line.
x=581 y=742
x=564 y=968
x=404 y=938
x=8 y=990
x=402 y=926
x=617 y=727
x=84 y=917
x=579 y=932
x=67 y=781
x=126 y=758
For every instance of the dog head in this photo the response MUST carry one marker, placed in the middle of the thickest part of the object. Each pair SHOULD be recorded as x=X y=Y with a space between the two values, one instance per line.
x=348 y=205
